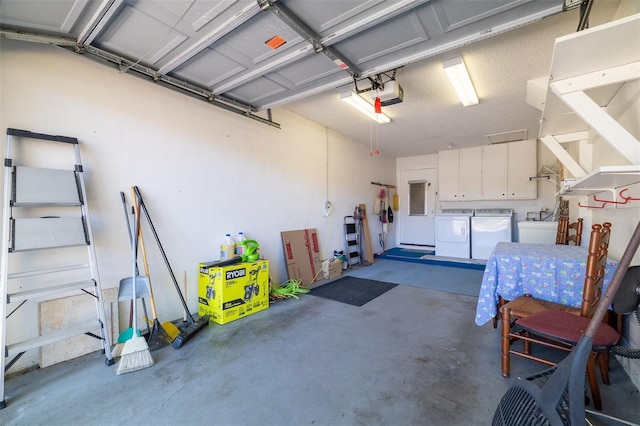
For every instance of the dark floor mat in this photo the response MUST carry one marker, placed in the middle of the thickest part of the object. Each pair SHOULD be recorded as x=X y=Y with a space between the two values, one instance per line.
x=401 y=252
x=351 y=290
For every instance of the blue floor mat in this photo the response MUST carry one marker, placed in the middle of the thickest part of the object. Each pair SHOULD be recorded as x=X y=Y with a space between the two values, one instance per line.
x=401 y=252
x=405 y=255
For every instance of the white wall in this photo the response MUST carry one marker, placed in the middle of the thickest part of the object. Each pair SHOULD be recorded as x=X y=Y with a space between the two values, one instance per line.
x=202 y=171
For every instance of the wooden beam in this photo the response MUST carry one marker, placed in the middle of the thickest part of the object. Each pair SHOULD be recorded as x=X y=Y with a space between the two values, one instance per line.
x=365 y=235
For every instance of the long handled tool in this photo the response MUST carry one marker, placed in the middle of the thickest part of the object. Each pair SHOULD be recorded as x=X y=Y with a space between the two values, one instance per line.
x=135 y=354
x=127 y=333
x=193 y=326
x=158 y=335
x=146 y=289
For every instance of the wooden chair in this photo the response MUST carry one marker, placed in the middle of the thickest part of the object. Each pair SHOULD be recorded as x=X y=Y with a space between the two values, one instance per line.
x=563 y=231
x=522 y=307
x=569 y=232
x=574 y=232
x=555 y=396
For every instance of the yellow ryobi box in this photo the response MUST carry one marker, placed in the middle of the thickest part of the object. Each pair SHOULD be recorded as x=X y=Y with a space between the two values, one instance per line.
x=227 y=293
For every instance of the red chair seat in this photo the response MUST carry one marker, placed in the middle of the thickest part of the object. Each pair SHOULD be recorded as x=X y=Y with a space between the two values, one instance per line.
x=567 y=327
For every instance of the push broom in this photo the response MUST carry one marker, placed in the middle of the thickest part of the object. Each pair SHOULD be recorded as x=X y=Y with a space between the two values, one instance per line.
x=135 y=353
x=192 y=326
x=160 y=335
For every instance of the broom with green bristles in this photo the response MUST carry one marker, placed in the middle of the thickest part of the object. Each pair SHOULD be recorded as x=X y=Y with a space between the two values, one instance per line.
x=135 y=353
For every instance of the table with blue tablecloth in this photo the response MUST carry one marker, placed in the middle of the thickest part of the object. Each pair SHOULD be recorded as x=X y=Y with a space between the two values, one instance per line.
x=546 y=271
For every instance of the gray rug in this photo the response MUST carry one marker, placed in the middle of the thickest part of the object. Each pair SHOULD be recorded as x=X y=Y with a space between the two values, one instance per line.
x=351 y=290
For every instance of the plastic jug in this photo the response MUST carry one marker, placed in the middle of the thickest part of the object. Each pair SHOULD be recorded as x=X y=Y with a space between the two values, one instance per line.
x=227 y=248
x=239 y=246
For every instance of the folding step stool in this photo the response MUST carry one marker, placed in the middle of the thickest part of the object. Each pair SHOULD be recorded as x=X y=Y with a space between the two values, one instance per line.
x=43 y=232
x=353 y=241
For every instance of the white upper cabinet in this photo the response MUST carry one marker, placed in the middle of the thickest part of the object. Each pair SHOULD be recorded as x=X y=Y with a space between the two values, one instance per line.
x=448 y=167
x=470 y=174
x=494 y=172
x=490 y=172
x=521 y=165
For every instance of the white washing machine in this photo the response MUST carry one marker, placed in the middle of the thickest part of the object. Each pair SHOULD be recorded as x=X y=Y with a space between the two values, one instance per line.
x=453 y=233
x=488 y=228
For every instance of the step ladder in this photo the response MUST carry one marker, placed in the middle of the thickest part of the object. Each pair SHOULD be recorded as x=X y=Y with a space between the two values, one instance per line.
x=352 y=236
x=45 y=228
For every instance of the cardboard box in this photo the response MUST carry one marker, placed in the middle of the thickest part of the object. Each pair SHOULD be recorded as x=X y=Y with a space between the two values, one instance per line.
x=333 y=270
x=230 y=292
x=302 y=255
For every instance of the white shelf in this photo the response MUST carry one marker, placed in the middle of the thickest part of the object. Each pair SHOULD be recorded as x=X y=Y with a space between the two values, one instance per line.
x=590 y=52
x=605 y=178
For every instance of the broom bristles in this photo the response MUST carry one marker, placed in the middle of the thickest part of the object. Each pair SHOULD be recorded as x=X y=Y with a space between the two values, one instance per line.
x=135 y=356
x=158 y=337
x=122 y=339
x=117 y=350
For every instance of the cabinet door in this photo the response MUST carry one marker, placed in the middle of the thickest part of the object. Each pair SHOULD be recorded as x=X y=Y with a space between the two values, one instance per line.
x=448 y=166
x=494 y=172
x=522 y=165
x=470 y=174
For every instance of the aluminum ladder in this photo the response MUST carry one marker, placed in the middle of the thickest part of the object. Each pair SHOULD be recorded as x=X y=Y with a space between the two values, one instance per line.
x=45 y=224
x=352 y=237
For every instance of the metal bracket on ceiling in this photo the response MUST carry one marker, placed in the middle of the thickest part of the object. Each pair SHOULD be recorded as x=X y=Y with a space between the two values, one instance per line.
x=298 y=25
x=585 y=10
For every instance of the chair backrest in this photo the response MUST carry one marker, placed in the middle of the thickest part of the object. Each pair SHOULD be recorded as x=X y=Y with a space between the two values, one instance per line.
x=563 y=231
x=596 y=263
x=574 y=232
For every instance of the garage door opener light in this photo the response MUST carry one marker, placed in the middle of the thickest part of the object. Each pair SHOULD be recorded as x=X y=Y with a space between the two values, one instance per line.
x=364 y=107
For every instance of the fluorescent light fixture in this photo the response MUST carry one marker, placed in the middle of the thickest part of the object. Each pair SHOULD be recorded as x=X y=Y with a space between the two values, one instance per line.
x=364 y=107
x=457 y=73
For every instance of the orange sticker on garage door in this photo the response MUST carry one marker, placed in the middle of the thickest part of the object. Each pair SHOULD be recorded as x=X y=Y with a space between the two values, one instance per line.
x=275 y=42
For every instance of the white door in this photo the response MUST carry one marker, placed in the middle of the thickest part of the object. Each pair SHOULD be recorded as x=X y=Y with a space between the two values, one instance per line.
x=417 y=227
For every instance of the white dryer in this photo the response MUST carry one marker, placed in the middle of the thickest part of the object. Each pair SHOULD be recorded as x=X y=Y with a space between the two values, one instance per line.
x=488 y=228
x=453 y=233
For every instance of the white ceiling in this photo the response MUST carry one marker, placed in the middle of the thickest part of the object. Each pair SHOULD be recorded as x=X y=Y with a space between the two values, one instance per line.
x=216 y=50
x=431 y=118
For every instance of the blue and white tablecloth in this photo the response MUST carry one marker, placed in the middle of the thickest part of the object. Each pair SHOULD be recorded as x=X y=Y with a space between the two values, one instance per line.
x=545 y=271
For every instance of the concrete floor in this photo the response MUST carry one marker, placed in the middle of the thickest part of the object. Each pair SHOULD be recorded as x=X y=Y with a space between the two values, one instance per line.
x=409 y=357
